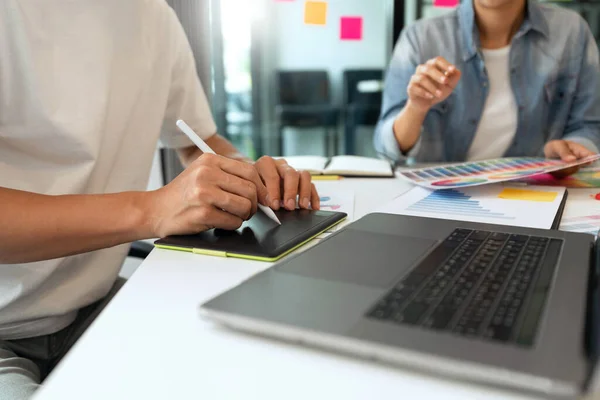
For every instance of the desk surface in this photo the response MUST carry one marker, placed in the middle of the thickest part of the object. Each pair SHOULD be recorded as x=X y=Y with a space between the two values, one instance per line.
x=150 y=344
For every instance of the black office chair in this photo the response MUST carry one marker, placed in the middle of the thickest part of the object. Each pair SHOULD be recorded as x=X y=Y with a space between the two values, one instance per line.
x=362 y=102
x=303 y=101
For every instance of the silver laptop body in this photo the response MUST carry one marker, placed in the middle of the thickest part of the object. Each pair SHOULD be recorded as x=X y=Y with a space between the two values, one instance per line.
x=328 y=297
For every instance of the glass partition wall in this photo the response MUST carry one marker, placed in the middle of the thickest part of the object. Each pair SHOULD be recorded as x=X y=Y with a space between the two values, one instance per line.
x=292 y=77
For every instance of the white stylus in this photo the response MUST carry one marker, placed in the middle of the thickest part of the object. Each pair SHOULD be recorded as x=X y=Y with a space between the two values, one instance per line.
x=201 y=144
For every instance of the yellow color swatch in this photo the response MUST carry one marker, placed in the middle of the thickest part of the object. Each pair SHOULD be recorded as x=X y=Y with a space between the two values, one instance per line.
x=527 y=195
x=315 y=13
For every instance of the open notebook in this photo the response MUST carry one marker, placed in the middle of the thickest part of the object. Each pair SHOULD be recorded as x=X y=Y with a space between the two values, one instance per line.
x=342 y=165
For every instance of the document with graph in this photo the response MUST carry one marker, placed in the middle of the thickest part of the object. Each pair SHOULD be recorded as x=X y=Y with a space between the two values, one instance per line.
x=502 y=204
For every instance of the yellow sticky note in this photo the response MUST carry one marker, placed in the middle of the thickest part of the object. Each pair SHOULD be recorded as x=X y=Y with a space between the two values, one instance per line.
x=315 y=13
x=527 y=195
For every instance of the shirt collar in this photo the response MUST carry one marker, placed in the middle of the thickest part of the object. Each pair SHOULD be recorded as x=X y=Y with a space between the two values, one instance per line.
x=534 y=20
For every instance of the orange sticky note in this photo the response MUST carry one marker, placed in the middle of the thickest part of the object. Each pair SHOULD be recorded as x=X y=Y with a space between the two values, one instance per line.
x=315 y=13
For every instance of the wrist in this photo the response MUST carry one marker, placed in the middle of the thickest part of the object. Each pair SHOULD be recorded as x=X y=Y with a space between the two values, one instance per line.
x=416 y=111
x=145 y=212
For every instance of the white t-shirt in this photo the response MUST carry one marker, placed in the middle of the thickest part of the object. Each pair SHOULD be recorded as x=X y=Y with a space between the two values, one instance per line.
x=85 y=88
x=498 y=124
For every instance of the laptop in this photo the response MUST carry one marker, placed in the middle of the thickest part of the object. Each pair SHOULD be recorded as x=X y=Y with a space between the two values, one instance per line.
x=498 y=305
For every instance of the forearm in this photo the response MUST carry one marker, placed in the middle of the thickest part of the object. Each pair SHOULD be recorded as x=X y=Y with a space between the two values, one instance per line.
x=407 y=126
x=39 y=227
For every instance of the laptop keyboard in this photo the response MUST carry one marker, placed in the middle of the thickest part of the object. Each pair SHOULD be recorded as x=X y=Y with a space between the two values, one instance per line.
x=483 y=284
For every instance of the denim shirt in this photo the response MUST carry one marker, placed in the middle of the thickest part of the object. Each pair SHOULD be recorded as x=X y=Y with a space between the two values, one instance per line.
x=554 y=75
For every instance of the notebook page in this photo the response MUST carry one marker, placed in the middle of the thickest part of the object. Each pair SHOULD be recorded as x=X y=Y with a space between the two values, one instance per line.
x=313 y=164
x=358 y=166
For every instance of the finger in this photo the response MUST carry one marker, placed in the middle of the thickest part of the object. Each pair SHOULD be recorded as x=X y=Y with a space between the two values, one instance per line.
x=267 y=169
x=238 y=186
x=430 y=69
x=305 y=189
x=248 y=172
x=428 y=84
x=291 y=179
x=444 y=65
x=579 y=150
x=454 y=78
x=560 y=149
x=414 y=90
x=315 y=200
x=233 y=204
x=215 y=218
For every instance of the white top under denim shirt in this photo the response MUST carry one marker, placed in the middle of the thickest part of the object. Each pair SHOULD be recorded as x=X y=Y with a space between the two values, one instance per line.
x=498 y=124
x=554 y=75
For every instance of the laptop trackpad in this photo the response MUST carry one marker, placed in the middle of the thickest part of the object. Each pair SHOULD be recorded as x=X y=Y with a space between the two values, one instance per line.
x=364 y=258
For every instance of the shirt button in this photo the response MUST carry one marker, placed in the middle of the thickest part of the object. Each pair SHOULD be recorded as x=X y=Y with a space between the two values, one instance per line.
x=473 y=121
x=484 y=84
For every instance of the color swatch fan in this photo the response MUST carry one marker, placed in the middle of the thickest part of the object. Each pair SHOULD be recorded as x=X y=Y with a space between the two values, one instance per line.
x=489 y=171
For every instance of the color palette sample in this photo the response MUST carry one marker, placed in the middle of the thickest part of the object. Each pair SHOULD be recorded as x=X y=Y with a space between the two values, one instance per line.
x=351 y=28
x=488 y=171
x=315 y=13
x=585 y=178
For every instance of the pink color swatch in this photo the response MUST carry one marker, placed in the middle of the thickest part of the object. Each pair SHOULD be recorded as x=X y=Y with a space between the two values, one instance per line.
x=351 y=28
x=445 y=3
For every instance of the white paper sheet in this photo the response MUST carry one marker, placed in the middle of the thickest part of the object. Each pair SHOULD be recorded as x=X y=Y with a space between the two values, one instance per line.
x=582 y=213
x=481 y=204
x=339 y=201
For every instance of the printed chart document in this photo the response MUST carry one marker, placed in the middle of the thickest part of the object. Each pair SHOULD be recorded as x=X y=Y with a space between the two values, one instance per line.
x=582 y=212
x=342 y=165
x=340 y=201
x=502 y=204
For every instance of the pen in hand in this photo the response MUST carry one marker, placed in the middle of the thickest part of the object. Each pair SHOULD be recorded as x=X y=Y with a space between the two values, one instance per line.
x=201 y=144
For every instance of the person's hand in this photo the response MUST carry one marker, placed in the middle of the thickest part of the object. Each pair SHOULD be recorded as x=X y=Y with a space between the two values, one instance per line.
x=213 y=192
x=567 y=151
x=284 y=184
x=432 y=83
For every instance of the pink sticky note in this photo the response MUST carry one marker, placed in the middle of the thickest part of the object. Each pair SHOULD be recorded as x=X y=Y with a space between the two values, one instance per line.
x=351 y=28
x=445 y=3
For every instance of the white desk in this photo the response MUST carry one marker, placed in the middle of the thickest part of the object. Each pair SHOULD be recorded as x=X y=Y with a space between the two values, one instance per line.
x=150 y=344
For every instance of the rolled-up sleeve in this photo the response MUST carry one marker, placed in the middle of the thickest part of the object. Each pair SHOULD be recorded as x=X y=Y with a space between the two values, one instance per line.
x=402 y=66
x=583 y=124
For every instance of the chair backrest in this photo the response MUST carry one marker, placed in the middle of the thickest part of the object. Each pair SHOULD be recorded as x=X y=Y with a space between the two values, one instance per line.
x=303 y=88
x=363 y=87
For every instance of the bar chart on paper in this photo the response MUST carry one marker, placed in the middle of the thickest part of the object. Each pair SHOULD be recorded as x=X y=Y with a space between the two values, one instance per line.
x=502 y=204
x=455 y=202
